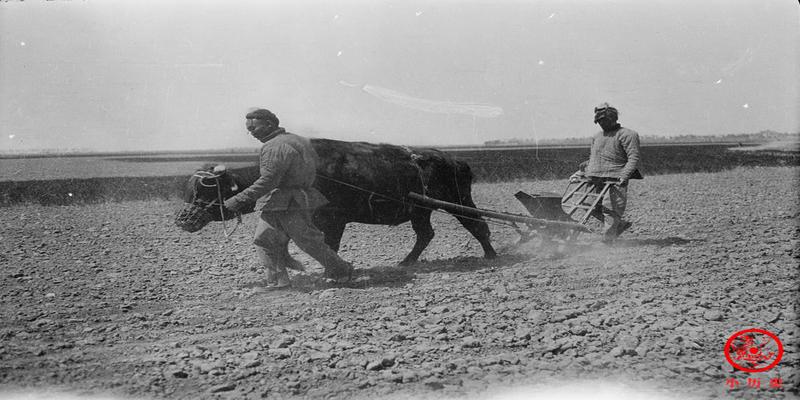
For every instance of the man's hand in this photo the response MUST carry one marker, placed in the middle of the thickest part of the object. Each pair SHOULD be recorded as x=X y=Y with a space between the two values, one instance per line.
x=576 y=176
x=622 y=182
x=233 y=205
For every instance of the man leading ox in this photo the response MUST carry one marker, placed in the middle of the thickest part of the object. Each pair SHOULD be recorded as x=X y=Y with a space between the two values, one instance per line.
x=285 y=196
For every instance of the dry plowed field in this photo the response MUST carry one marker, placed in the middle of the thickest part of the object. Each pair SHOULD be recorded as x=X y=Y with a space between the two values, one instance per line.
x=113 y=299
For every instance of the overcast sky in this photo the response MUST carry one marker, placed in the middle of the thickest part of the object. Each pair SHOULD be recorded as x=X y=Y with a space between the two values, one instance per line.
x=173 y=75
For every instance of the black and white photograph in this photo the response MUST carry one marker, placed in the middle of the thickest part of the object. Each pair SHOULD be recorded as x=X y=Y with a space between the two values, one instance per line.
x=382 y=199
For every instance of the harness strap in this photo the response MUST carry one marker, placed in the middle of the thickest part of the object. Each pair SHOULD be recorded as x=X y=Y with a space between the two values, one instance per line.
x=222 y=214
x=219 y=201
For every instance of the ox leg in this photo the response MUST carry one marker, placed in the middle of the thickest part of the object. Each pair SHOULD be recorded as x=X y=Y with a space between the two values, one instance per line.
x=332 y=229
x=421 y=222
x=480 y=230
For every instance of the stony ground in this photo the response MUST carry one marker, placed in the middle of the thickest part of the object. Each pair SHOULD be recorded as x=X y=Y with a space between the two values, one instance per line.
x=114 y=299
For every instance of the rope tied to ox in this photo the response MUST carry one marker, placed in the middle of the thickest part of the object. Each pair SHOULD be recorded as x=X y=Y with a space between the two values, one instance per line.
x=220 y=202
x=222 y=215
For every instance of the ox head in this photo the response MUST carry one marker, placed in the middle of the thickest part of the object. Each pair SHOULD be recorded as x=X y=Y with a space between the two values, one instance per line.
x=203 y=196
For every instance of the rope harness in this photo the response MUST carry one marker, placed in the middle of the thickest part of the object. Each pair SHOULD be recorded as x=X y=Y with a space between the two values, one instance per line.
x=219 y=201
x=415 y=158
x=405 y=202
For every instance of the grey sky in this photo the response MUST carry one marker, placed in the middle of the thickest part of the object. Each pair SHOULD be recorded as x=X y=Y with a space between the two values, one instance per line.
x=142 y=75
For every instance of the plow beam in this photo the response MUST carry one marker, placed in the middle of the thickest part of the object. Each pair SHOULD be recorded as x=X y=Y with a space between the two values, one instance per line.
x=467 y=211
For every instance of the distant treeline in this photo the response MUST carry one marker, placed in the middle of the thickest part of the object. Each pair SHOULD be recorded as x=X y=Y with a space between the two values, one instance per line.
x=744 y=138
x=488 y=165
x=167 y=155
x=504 y=164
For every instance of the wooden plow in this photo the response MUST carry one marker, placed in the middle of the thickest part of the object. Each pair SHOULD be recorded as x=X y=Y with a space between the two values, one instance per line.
x=547 y=218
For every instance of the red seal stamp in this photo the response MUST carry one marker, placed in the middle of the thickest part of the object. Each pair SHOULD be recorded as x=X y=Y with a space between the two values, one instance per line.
x=753 y=350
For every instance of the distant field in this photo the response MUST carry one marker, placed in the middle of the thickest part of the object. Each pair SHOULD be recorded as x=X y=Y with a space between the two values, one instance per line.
x=115 y=297
x=556 y=163
x=46 y=168
x=785 y=145
x=86 y=179
x=488 y=163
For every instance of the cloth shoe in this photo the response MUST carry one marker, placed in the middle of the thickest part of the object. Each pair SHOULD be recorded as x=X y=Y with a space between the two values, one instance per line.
x=623 y=226
x=277 y=280
x=293 y=264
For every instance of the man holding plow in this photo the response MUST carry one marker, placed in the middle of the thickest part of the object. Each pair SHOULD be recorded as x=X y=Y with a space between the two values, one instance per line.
x=614 y=156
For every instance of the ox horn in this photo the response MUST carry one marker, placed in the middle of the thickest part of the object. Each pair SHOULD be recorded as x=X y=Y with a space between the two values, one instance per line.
x=221 y=169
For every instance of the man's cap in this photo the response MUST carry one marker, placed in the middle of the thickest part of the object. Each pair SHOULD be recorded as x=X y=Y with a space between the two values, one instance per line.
x=605 y=110
x=262 y=113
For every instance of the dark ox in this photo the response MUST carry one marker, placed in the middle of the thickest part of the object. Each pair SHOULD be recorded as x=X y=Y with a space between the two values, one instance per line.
x=363 y=182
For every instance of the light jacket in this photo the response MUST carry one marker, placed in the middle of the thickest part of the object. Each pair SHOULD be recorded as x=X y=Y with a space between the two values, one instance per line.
x=288 y=166
x=614 y=154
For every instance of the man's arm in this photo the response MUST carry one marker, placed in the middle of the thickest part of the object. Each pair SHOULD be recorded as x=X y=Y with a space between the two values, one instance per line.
x=630 y=142
x=273 y=165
